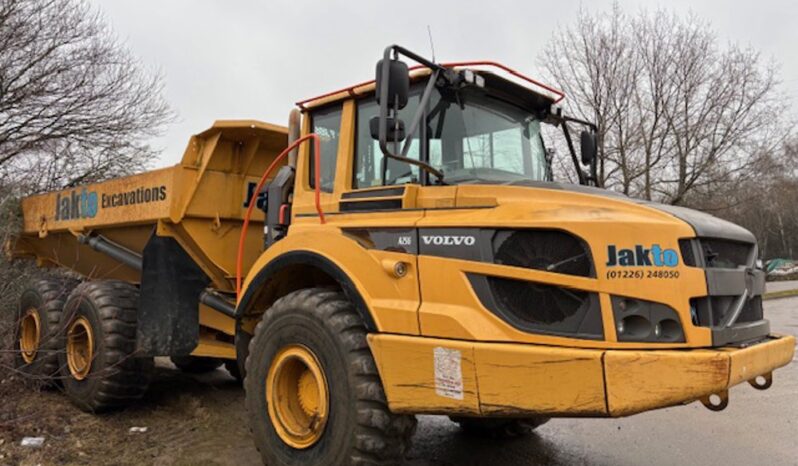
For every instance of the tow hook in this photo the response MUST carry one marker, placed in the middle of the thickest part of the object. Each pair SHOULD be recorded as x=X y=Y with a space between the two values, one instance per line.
x=766 y=381
x=716 y=401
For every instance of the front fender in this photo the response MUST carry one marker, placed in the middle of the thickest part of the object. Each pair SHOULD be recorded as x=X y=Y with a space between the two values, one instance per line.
x=386 y=303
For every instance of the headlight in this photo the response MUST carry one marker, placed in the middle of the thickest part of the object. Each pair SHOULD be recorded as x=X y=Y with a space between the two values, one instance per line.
x=646 y=321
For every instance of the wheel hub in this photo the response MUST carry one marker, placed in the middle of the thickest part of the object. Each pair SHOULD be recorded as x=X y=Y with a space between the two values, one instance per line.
x=80 y=348
x=30 y=333
x=297 y=396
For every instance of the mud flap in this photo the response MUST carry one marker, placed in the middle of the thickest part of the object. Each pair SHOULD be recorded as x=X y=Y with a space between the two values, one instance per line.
x=171 y=284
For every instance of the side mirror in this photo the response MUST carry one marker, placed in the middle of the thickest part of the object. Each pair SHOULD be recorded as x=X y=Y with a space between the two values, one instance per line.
x=589 y=147
x=396 y=129
x=398 y=81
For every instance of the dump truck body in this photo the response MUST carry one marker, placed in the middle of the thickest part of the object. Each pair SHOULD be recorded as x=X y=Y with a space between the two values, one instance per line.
x=182 y=222
x=378 y=280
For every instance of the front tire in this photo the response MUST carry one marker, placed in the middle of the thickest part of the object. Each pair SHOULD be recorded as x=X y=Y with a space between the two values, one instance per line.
x=313 y=393
x=99 y=366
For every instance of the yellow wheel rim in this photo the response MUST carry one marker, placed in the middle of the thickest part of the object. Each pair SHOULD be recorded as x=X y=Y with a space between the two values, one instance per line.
x=80 y=348
x=30 y=334
x=297 y=396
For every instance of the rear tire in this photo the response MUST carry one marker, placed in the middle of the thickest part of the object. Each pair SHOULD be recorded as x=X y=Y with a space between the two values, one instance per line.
x=498 y=428
x=37 y=338
x=196 y=364
x=352 y=423
x=99 y=366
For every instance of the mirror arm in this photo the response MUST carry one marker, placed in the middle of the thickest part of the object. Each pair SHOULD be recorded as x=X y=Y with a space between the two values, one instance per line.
x=417 y=58
x=423 y=165
x=569 y=119
x=571 y=149
x=420 y=113
x=383 y=130
x=594 y=172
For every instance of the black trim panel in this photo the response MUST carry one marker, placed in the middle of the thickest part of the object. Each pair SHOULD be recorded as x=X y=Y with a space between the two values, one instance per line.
x=471 y=244
x=327 y=214
x=387 y=192
x=740 y=334
x=369 y=206
x=404 y=240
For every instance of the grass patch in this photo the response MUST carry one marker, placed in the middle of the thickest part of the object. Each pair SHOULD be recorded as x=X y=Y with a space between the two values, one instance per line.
x=780 y=294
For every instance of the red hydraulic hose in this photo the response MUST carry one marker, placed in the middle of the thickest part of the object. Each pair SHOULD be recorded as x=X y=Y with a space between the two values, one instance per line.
x=253 y=201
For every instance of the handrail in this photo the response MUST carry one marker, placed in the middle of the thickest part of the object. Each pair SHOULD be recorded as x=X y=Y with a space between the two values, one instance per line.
x=513 y=72
x=518 y=74
x=317 y=189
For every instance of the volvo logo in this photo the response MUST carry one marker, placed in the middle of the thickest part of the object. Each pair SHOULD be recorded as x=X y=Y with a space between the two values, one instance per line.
x=449 y=240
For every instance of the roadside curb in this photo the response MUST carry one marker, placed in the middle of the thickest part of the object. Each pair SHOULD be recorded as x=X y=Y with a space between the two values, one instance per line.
x=780 y=294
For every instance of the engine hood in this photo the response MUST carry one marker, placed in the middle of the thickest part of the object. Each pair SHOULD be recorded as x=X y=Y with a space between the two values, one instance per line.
x=706 y=225
x=703 y=224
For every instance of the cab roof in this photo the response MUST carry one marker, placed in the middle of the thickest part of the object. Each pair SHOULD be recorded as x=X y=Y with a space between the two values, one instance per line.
x=541 y=92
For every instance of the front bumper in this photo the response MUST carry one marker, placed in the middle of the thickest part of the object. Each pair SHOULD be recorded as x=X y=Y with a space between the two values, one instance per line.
x=429 y=375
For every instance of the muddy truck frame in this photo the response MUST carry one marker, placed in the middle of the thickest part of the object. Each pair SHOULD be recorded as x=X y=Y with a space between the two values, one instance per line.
x=400 y=248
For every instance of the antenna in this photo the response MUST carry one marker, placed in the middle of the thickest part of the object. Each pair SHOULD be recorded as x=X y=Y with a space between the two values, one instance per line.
x=431 y=45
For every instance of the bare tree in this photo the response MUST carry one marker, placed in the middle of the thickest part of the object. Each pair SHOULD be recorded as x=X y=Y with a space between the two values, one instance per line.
x=766 y=204
x=679 y=116
x=75 y=106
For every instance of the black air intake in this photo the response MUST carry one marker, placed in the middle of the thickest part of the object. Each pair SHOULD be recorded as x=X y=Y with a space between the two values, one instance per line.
x=549 y=250
x=537 y=303
x=540 y=308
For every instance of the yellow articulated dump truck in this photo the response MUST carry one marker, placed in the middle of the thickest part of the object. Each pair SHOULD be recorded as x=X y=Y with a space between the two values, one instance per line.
x=401 y=247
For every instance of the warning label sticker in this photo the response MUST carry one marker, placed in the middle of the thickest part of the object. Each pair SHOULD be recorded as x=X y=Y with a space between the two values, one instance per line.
x=448 y=373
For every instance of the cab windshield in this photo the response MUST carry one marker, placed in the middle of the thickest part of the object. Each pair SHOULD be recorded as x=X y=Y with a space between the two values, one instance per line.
x=469 y=136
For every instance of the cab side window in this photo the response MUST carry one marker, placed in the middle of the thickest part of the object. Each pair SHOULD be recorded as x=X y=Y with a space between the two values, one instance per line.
x=368 y=156
x=326 y=123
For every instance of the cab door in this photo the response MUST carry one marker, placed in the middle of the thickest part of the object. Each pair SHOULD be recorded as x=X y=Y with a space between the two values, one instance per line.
x=368 y=202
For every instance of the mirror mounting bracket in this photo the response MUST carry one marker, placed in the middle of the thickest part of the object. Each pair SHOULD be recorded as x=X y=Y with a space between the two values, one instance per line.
x=392 y=53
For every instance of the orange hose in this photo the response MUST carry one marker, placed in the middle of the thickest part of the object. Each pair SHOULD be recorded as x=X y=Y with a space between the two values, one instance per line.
x=253 y=201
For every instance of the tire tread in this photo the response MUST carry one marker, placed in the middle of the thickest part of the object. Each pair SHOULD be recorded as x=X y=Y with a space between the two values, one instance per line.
x=381 y=436
x=126 y=377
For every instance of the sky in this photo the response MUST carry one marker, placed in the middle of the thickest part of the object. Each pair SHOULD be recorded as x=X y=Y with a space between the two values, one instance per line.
x=246 y=59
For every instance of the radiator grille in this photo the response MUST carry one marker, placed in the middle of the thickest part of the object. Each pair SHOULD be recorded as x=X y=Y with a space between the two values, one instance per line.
x=726 y=254
x=710 y=311
x=716 y=253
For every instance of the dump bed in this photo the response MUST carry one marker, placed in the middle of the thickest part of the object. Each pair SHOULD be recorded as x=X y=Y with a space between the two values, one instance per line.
x=200 y=203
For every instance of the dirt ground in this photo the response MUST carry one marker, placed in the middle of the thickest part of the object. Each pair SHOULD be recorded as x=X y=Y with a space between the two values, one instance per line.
x=190 y=420
x=200 y=420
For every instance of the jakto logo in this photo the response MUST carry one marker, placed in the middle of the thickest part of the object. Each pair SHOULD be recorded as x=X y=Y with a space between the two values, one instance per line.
x=641 y=257
x=76 y=205
x=446 y=240
x=261 y=198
